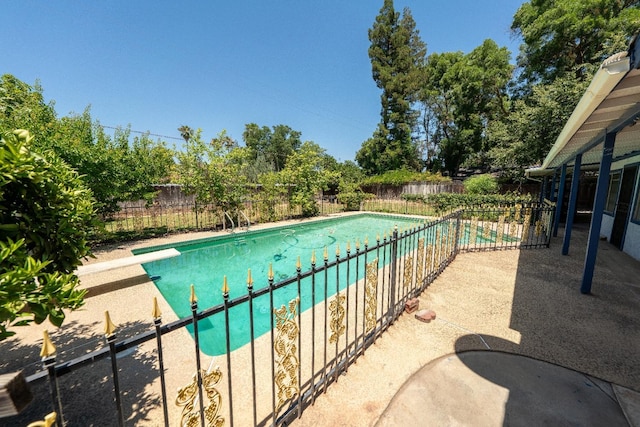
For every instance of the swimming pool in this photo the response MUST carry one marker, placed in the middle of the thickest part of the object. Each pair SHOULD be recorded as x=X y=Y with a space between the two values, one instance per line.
x=204 y=263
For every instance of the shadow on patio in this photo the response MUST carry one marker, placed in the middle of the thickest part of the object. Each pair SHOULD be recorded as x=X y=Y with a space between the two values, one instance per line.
x=597 y=336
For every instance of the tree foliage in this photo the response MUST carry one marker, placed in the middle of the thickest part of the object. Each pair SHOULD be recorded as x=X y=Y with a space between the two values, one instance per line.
x=23 y=106
x=463 y=94
x=525 y=136
x=305 y=177
x=481 y=184
x=571 y=37
x=397 y=58
x=115 y=168
x=403 y=176
x=46 y=213
x=271 y=146
x=209 y=172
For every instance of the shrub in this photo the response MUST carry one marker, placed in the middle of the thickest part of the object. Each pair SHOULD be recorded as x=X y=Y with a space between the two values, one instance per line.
x=445 y=202
x=481 y=184
x=403 y=176
x=46 y=214
x=353 y=199
x=414 y=197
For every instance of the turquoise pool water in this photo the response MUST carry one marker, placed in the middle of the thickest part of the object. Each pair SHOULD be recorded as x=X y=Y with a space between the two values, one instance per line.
x=204 y=263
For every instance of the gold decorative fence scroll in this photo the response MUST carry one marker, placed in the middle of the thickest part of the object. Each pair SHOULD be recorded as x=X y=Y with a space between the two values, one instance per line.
x=188 y=394
x=370 y=299
x=286 y=350
x=337 y=310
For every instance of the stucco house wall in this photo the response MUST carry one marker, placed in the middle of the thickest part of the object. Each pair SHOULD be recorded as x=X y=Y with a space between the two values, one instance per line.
x=632 y=241
x=631 y=244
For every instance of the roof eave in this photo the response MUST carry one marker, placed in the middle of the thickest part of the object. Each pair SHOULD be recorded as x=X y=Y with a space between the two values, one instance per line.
x=604 y=81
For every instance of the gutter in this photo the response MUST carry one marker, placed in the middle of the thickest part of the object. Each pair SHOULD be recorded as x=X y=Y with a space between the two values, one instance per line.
x=610 y=73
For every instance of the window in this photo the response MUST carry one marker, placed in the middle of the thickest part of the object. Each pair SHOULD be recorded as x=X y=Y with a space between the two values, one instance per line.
x=612 y=195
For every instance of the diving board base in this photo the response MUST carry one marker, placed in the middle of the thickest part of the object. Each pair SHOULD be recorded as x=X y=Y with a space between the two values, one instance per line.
x=99 y=267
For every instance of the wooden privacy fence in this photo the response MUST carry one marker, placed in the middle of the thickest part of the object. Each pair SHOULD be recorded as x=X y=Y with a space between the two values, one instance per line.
x=335 y=309
x=389 y=191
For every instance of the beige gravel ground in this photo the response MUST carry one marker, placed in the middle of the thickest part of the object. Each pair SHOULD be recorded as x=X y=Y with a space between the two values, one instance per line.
x=525 y=302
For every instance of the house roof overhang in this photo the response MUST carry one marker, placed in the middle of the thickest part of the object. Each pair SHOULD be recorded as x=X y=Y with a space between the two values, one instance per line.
x=610 y=104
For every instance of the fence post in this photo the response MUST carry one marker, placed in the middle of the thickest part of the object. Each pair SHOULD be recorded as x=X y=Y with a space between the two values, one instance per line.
x=195 y=208
x=225 y=296
x=109 y=330
x=196 y=339
x=458 y=224
x=157 y=322
x=394 y=269
x=48 y=354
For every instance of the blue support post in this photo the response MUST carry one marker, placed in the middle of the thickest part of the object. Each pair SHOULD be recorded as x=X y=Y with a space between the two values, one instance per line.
x=559 y=199
x=571 y=210
x=552 y=194
x=598 y=209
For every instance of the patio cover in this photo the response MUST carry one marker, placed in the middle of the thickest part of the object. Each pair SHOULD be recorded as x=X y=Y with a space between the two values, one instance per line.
x=611 y=103
x=601 y=130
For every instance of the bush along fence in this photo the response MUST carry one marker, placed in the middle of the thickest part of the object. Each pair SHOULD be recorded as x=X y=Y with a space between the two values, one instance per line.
x=317 y=323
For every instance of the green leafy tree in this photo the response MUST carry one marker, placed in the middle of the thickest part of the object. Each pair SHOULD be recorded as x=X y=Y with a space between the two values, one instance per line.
x=23 y=106
x=272 y=146
x=305 y=177
x=568 y=36
x=46 y=213
x=272 y=192
x=146 y=162
x=463 y=95
x=114 y=168
x=209 y=172
x=397 y=59
x=525 y=136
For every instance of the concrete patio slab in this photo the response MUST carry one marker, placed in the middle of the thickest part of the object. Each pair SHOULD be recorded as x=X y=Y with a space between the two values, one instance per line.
x=490 y=388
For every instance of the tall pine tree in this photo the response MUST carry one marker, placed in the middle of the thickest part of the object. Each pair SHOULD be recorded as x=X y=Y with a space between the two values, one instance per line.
x=397 y=61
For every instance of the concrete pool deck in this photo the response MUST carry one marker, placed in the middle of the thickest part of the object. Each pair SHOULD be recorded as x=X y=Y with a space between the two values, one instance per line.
x=521 y=302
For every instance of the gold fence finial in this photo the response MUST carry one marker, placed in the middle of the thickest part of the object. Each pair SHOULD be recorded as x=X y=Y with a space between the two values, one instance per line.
x=225 y=285
x=48 y=349
x=326 y=253
x=270 y=274
x=249 y=279
x=298 y=263
x=192 y=298
x=337 y=250
x=109 y=327
x=348 y=246
x=156 y=309
x=49 y=420
x=313 y=257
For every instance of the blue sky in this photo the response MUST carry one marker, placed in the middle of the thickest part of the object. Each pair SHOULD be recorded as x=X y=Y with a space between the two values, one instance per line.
x=156 y=65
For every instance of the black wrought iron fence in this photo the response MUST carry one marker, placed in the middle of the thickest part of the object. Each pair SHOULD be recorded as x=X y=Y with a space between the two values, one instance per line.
x=320 y=320
x=520 y=225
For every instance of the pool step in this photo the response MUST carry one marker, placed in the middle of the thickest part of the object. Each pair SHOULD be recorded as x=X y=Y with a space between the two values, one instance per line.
x=240 y=241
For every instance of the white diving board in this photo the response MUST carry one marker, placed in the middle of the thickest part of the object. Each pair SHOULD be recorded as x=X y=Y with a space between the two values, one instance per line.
x=99 y=267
